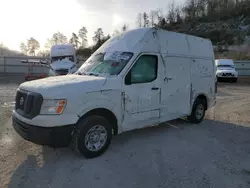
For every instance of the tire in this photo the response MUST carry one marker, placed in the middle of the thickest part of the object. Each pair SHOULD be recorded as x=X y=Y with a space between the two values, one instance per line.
x=198 y=104
x=81 y=140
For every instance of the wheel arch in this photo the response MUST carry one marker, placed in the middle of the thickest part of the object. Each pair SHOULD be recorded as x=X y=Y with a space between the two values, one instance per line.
x=106 y=113
x=203 y=97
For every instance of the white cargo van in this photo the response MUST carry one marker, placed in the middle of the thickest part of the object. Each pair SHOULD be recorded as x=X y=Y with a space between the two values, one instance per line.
x=140 y=78
x=63 y=60
x=225 y=70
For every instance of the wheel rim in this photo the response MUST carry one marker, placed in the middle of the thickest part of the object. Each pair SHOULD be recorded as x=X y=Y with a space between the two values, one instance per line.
x=199 y=112
x=96 y=138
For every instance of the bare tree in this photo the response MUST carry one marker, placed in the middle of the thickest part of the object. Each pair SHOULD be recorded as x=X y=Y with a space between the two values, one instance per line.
x=48 y=44
x=195 y=8
x=24 y=48
x=178 y=15
x=145 y=20
x=124 y=27
x=59 y=38
x=74 y=40
x=33 y=45
x=152 y=17
x=139 y=20
x=83 y=36
x=98 y=36
x=171 y=13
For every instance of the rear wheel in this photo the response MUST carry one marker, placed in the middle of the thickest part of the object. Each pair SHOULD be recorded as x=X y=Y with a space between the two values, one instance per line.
x=198 y=111
x=92 y=136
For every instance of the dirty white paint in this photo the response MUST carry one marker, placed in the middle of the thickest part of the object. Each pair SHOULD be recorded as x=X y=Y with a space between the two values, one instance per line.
x=176 y=88
x=185 y=70
x=203 y=80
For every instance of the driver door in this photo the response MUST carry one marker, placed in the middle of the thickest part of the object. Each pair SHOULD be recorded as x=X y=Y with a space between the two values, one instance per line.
x=141 y=93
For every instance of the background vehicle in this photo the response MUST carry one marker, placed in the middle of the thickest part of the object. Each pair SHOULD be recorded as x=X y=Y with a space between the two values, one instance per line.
x=63 y=59
x=225 y=70
x=137 y=79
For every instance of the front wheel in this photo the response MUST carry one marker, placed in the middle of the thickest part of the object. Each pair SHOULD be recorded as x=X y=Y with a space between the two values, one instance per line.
x=198 y=111
x=92 y=136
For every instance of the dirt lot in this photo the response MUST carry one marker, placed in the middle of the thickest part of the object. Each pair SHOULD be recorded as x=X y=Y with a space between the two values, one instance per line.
x=214 y=154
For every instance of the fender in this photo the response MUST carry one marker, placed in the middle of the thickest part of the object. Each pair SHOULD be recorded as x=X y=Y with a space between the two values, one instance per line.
x=102 y=102
x=198 y=94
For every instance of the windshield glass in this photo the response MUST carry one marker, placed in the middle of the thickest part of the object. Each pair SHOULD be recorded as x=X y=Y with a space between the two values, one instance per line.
x=53 y=59
x=110 y=63
x=225 y=66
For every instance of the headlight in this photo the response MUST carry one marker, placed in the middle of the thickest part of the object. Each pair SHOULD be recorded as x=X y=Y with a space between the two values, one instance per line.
x=51 y=106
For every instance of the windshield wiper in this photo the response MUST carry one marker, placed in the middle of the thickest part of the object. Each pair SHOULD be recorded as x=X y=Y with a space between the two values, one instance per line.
x=93 y=74
x=88 y=73
x=81 y=73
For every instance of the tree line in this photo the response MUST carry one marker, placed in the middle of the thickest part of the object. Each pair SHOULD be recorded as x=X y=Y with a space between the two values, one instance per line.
x=195 y=11
x=181 y=18
x=78 y=40
x=230 y=19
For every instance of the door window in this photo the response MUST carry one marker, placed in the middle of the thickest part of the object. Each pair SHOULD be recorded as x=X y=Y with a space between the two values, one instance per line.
x=143 y=71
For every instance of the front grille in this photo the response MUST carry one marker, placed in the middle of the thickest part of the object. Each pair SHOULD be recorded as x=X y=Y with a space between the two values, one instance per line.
x=28 y=104
x=61 y=71
x=227 y=74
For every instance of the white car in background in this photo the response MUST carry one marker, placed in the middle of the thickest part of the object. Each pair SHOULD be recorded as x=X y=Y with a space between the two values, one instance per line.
x=63 y=60
x=225 y=70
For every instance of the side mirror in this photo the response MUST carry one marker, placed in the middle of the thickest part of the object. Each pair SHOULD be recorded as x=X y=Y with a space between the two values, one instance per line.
x=128 y=78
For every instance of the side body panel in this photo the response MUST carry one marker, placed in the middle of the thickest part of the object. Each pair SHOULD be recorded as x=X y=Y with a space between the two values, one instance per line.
x=108 y=99
x=202 y=69
x=176 y=87
x=203 y=80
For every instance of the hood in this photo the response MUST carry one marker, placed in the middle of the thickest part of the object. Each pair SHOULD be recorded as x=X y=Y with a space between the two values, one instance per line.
x=226 y=69
x=63 y=64
x=62 y=86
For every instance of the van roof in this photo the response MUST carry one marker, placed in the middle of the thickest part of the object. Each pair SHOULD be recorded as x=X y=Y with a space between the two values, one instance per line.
x=62 y=50
x=156 y=40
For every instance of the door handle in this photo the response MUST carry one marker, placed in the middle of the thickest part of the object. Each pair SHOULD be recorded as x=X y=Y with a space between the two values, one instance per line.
x=166 y=79
x=154 y=88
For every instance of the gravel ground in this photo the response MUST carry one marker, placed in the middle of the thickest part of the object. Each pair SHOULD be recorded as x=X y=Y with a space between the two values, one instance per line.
x=214 y=154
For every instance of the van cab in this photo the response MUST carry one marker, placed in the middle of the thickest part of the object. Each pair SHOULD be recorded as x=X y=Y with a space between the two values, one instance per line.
x=137 y=79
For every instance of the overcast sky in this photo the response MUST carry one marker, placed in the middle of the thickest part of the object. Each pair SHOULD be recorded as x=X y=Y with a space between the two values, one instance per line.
x=21 y=19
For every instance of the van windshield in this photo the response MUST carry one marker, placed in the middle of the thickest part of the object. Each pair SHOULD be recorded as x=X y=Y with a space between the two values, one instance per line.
x=59 y=58
x=225 y=66
x=109 y=63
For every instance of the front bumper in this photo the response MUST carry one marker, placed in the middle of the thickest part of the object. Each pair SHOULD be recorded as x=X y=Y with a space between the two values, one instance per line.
x=227 y=75
x=51 y=136
x=221 y=78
